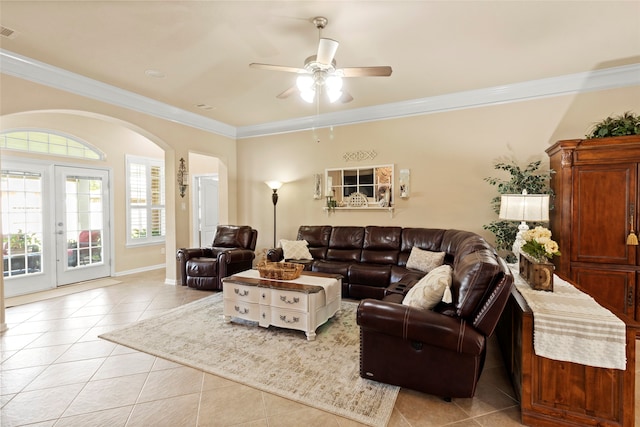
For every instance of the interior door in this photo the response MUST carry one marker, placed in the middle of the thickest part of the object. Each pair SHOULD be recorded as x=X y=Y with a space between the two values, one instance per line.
x=82 y=224
x=207 y=208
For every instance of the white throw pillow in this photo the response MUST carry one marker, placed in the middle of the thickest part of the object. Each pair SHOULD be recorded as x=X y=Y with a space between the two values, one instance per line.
x=431 y=289
x=295 y=249
x=425 y=261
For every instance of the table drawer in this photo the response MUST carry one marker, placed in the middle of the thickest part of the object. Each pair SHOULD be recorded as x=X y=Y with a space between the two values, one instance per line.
x=242 y=309
x=290 y=319
x=241 y=292
x=289 y=300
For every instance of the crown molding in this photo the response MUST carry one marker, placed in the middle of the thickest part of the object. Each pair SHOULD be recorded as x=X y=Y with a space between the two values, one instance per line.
x=48 y=75
x=58 y=78
x=609 y=78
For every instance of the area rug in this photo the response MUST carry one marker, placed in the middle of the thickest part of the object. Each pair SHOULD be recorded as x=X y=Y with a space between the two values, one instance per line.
x=323 y=373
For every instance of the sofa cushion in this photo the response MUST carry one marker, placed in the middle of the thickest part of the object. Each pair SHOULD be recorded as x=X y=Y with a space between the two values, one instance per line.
x=369 y=274
x=318 y=238
x=295 y=249
x=429 y=239
x=381 y=245
x=332 y=267
x=424 y=261
x=430 y=290
x=473 y=276
x=233 y=236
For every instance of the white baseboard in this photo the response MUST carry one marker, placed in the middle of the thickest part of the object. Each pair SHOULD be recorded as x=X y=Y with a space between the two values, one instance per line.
x=139 y=270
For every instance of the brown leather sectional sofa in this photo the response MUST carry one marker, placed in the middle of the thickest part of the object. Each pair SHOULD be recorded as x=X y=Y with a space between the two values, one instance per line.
x=439 y=351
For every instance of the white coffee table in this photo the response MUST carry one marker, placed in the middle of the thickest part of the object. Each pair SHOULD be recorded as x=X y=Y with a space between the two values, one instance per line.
x=302 y=304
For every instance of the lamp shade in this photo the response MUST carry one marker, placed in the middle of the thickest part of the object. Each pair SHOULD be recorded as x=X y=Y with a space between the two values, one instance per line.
x=524 y=207
x=274 y=185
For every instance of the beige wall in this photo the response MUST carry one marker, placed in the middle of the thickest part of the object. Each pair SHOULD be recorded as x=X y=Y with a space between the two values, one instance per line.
x=117 y=130
x=449 y=155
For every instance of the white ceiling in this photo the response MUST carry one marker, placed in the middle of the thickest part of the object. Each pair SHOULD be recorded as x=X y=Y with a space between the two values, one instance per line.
x=204 y=47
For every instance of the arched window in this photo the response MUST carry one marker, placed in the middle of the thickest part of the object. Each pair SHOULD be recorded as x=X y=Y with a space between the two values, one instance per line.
x=48 y=142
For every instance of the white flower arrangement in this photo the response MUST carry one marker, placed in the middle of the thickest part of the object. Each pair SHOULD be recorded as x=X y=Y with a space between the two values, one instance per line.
x=539 y=245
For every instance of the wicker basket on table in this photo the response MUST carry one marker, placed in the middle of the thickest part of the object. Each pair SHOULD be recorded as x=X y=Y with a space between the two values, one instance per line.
x=280 y=270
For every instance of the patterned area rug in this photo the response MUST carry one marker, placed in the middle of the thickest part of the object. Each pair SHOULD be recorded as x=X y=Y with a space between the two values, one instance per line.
x=323 y=373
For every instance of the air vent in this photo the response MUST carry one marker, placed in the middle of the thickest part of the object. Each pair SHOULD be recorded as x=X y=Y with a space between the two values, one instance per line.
x=7 y=32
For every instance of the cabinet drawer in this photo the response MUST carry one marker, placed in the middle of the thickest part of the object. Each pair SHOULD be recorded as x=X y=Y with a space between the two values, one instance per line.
x=289 y=300
x=290 y=319
x=242 y=292
x=242 y=309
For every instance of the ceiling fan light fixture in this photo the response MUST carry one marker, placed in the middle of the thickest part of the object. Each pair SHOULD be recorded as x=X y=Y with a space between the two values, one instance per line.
x=308 y=95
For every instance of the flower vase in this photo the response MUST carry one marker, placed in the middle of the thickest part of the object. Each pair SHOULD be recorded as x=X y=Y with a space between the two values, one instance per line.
x=538 y=274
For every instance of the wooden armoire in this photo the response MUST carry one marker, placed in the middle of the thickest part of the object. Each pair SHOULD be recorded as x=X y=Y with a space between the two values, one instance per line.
x=596 y=208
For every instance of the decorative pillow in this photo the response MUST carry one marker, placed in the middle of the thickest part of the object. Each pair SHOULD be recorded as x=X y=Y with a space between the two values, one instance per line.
x=295 y=249
x=425 y=261
x=431 y=289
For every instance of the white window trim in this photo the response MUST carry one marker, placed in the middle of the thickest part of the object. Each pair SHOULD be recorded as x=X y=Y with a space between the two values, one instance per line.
x=149 y=239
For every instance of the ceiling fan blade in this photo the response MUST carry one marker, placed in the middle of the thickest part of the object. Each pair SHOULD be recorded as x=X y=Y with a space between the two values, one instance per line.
x=382 y=71
x=287 y=93
x=326 y=51
x=277 y=68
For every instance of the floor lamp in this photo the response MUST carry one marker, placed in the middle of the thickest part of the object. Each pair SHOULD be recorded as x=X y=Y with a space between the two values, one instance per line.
x=523 y=207
x=275 y=186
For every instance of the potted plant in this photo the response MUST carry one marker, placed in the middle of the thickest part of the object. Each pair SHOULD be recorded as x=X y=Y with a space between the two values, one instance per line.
x=624 y=124
x=532 y=179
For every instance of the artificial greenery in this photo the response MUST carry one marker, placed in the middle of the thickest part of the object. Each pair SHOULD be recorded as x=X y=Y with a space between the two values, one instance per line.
x=624 y=124
x=532 y=179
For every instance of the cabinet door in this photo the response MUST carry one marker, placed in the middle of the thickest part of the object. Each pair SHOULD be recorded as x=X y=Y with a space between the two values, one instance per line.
x=604 y=198
x=613 y=288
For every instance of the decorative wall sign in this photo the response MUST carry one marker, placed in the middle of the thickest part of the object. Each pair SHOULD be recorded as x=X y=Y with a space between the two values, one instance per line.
x=360 y=155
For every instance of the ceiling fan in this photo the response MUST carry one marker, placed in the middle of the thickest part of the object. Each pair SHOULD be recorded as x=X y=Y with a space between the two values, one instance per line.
x=320 y=75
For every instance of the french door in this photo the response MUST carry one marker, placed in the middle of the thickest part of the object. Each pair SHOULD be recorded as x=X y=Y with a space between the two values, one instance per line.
x=55 y=226
x=205 y=209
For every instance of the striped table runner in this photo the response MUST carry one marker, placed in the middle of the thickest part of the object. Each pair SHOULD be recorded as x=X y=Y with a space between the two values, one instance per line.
x=569 y=325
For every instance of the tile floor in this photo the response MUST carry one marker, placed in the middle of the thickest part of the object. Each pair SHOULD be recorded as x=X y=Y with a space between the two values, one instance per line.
x=55 y=371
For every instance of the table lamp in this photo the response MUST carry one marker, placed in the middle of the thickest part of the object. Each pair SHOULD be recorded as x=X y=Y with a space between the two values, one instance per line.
x=523 y=207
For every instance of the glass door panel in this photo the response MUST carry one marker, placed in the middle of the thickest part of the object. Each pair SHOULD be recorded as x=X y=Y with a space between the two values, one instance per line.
x=82 y=225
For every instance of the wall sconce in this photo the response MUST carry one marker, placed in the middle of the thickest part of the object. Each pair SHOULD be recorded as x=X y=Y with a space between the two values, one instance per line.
x=317 y=186
x=183 y=177
x=404 y=180
x=274 y=185
x=523 y=207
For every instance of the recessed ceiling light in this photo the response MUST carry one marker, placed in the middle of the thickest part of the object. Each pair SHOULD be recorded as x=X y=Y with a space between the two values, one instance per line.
x=204 y=106
x=155 y=74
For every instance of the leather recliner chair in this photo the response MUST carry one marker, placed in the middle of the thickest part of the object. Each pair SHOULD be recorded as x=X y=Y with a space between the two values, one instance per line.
x=439 y=351
x=232 y=251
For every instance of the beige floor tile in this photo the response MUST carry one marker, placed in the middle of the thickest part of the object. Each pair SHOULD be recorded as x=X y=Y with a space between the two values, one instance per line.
x=107 y=394
x=57 y=338
x=125 y=364
x=487 y=399
x=15 y=380
x=506 y=418
x=87 y=350
x=59 y=374
x=11 y=340
x=38 y=405
x=172 y=412
x=170 y=383
x=421 y=409
x=30 y=357
x=116 y=417
x=308 y=417
x=230 y=405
